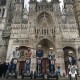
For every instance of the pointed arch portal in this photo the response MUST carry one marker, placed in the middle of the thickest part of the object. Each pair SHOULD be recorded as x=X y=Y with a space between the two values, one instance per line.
x=68 y=51
x=45 y=44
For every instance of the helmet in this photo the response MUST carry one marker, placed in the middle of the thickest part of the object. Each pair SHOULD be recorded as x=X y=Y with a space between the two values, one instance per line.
x=51 y=48
x=70 y=52
x=39 y=46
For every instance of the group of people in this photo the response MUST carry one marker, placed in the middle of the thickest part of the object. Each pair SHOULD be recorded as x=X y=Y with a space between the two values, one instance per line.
x=39 y=54
x=51 y=59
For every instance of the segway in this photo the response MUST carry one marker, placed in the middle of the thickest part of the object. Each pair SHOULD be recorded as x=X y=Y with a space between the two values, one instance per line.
x=38 y=73
x=51 y=74
x=26 y=73
x=73 y=73
x=12 y=71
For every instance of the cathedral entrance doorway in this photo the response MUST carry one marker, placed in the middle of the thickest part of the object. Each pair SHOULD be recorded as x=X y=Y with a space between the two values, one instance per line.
x=45 y=65
x=69 y=52
x=23 y=50
x=21 y=66
x=45 y=46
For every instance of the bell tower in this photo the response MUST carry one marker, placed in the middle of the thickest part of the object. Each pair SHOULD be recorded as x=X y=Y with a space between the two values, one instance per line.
x=68 y=6
x=18 y=11
x=32 y=1
x=32 y=6
x=77 y=13
x=54 y=1
x=68 y=1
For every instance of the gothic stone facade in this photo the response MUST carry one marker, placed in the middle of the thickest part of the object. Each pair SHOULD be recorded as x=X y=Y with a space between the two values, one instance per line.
x=43 y=25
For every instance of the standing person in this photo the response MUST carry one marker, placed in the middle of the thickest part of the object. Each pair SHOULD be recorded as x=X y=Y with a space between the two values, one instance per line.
x=16 y=53
x=28 y=53
x=39 y=55
x=58 y=70
x=1 y=70
x=28 y=60
x=70 y=60
x=39 y=52
x=5 y=68
x=51 y=56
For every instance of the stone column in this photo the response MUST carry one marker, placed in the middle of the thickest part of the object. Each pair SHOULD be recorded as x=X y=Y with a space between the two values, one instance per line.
x=77 y=59
x=60 y=60
x=33 y=61
x=18 y=68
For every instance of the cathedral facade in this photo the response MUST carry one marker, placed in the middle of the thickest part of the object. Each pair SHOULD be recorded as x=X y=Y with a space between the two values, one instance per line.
x=44 y=24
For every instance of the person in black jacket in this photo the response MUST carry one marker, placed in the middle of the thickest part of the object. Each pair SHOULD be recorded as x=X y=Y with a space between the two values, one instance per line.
x=39 y=52
x=1 y=69
x=5 y=68
x=39 y=55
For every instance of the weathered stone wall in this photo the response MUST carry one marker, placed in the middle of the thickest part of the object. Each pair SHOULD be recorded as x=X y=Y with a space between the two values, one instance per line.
x=59 y=32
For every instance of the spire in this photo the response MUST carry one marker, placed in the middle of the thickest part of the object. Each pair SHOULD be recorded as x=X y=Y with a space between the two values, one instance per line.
x=17 y=1
x=32 y=1
x=44 y=18
x=55 y=1
x=44 y=0
x=2 y=2
x=68 y=1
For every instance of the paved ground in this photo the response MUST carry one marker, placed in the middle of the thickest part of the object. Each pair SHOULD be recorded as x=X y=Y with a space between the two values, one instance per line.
x=40 y=79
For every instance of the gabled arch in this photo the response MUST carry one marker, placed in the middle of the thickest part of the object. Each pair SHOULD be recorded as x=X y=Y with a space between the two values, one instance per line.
x=41 y=15
x=46 y=44
x=69 y=51
x=48 y=39
x=23 y=48
x=69 y=47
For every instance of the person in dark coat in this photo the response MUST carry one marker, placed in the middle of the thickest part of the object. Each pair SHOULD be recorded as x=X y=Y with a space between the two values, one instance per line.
x=1 y=70
x=39 y=54
x=5 y=68
x=51 y=58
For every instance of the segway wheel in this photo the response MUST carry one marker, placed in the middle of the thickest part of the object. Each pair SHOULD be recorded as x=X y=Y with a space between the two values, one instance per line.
x=31 y=77
x=16 y=75
x=47 y=77
x=43 y=76
x=70 y=77
x=57 y=78
x=7 y=74
x=34 y=77
x=76 y=77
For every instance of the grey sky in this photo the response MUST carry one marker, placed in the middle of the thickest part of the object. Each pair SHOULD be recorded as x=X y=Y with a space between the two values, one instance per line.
x=26 y=2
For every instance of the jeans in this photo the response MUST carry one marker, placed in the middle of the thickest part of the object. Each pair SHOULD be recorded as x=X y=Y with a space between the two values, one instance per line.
x=52 y=68
x=39 y=67
x=14 y=67
x=28 y=67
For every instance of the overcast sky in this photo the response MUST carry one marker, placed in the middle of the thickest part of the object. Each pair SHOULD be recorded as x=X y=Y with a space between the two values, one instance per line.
x=26 y=2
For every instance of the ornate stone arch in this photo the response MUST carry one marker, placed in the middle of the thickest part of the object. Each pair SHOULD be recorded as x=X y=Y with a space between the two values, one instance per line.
x=68 y=51
x=46 y=43
x=40 y=16
x=46 y=39
x=69 y=48
x=44 y=25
